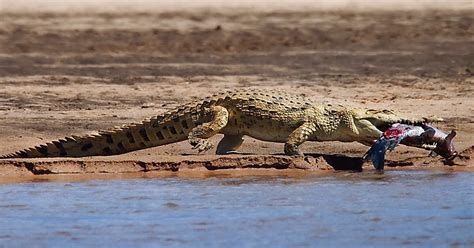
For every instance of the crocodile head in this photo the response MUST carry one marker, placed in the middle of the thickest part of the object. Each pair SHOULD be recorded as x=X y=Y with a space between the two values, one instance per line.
x=380 y=120
x=369 y=124
x=383 y=119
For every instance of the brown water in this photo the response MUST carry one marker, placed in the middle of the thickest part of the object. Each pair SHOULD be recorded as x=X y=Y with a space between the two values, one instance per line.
x=398 y=208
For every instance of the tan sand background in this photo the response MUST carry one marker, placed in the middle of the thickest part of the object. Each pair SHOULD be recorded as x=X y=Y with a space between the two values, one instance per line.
x=72 y=67
x=249 y=5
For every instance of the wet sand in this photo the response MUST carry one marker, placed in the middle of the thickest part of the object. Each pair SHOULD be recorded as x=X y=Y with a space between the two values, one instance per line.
x=77 y=72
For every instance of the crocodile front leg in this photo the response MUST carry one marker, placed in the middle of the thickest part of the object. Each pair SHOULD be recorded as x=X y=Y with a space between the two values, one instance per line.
x=198 y=137
x=298 y=137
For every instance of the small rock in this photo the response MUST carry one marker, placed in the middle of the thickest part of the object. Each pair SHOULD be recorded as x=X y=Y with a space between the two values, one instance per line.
x=148 y=105
x=171 y=205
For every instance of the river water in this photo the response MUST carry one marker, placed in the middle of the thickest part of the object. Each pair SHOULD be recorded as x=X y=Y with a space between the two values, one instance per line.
x=398 y=208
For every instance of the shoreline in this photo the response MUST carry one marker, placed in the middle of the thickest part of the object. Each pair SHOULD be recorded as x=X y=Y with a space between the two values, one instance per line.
x=203 y=166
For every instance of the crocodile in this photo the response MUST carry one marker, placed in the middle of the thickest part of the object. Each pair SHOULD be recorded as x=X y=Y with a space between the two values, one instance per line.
x=267 y=115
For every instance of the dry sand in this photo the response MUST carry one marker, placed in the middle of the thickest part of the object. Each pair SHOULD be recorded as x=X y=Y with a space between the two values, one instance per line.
x=71 y=71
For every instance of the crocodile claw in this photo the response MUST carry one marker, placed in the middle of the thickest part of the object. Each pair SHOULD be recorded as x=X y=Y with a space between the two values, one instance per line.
x=201 y=145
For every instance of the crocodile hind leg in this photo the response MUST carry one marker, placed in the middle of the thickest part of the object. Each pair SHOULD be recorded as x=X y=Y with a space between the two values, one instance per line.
x=298 y=137
x=198 y=137
x=229 y=144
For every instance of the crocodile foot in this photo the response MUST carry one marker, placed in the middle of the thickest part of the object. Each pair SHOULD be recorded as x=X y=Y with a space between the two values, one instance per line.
x=292 y=150
x=201 y=145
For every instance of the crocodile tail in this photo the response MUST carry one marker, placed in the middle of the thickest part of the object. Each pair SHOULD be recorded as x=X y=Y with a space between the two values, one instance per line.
x=149 y=133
